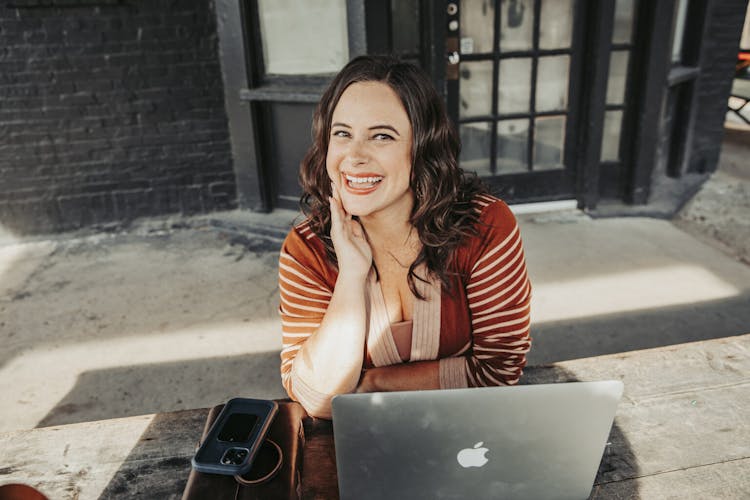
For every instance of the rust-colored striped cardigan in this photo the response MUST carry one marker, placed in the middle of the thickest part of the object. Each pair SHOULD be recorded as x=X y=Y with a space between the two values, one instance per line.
x=479 y=331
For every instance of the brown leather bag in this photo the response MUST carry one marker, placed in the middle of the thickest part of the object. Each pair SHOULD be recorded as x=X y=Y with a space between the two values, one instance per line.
x=287 y=431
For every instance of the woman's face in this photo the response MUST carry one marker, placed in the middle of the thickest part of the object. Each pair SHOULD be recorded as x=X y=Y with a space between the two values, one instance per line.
x=369 y=152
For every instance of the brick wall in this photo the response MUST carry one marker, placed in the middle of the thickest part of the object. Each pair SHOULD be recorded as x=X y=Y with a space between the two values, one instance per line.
x=717 y=60
x=110 y=110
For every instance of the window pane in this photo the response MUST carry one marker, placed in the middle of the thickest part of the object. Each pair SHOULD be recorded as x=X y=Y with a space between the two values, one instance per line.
x=514 y=86
x=552 y=83
x=611 y=136
x=477 y=25
x=678 y=29
x=549 y=142
x=618 y=72
x=556 y=24
x=516 y=25
x=512 y=150
x=292 y=45
x=475 y=147
x=475 y=89
x=405 y=32
x=622 y=31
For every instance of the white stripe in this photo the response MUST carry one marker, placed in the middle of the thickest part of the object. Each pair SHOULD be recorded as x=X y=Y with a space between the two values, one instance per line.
x=303 y=297
x=488 y=200
x=296 y=335
x=464 y=348
x=502 y=304
x=500 y=293
x=496 y=249
x=301 y=287
x=500 y=259
x=495 y=285
x=487 y=375
x=502 y=324
x=500 y=334
x=509 y=312
x=289 y=348
x=487 y=354
x=294 y=305
x=301 y=324
x=306 y=278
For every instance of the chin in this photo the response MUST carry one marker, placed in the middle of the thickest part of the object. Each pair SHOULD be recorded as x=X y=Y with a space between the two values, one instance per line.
x=356 y=211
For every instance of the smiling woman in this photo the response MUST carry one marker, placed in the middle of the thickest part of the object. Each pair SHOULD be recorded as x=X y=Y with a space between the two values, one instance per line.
x=406 y=274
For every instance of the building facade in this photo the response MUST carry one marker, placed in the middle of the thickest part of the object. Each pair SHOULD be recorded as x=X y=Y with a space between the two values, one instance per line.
x=115 y=109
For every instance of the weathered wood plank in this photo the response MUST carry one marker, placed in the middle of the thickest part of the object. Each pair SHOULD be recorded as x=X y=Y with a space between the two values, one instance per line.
x=681 y=432
x=319 y=456
x=725 y=481
x=126 y=457
x=684 y=406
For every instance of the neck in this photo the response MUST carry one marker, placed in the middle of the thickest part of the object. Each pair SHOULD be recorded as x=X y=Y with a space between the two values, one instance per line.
x=387 y=232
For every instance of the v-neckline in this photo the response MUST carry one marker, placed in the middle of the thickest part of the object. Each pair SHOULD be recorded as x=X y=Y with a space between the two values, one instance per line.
x=425 y=338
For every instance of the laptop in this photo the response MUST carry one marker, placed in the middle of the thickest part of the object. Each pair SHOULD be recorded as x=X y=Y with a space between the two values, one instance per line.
x=526 y=442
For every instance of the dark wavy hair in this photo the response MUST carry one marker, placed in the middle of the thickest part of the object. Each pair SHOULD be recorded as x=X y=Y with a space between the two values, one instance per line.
x=442 y=214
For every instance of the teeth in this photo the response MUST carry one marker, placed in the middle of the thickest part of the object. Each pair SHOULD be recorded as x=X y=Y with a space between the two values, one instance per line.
x=363 y=180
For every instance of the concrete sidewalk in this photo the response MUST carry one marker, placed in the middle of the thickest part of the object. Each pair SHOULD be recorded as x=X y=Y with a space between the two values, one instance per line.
x=180 y=313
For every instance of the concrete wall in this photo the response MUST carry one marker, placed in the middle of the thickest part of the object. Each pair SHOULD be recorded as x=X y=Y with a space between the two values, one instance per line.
x=110 y=110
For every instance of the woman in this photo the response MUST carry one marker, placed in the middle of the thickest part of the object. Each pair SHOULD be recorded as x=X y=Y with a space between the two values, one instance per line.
x=406 y=274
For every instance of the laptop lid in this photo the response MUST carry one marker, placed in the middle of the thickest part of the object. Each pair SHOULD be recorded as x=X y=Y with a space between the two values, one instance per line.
x=531 y=441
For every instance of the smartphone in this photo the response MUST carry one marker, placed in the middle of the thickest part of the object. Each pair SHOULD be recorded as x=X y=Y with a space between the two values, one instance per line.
x=235 y=437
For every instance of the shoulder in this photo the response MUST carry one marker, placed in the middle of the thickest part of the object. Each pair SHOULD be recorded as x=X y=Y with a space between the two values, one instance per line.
x=495 y=228
x=301 y=239
x=304 y=247
x=495 y=216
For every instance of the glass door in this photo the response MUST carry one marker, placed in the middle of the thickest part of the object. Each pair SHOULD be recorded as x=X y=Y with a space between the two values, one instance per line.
x=510 y=83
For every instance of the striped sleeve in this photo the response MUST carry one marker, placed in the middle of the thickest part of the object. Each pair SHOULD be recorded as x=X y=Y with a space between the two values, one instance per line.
x=303 y=300
x=499 y=296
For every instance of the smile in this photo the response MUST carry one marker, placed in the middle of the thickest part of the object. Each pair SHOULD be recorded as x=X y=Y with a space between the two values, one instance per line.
x=361 y=184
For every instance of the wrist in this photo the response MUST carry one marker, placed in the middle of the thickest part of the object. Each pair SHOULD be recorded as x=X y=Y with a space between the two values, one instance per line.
x=354 y=276
x=368 y=382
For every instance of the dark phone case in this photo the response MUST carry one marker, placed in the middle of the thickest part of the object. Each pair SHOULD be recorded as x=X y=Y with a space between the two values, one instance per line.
x=287 y=431
x=207 y=458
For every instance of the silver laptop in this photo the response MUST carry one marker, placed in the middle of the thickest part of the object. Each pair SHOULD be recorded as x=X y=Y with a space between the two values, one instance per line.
x=530 y=442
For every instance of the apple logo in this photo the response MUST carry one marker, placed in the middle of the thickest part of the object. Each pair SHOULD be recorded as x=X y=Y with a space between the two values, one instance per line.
x=473 y=457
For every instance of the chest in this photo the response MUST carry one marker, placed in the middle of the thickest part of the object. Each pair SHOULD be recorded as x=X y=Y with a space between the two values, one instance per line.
x=394 y=285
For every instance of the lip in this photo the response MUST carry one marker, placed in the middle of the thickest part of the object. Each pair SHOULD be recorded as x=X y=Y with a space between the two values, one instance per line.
x=359 y=191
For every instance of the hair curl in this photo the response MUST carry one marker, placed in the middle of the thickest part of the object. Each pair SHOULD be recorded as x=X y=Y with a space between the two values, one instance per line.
x=442 y=214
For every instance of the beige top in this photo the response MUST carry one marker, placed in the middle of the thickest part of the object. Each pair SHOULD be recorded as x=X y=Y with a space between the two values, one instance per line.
x=401 y=332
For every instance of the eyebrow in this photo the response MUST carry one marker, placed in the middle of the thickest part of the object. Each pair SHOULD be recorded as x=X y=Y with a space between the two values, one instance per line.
x=374 y=127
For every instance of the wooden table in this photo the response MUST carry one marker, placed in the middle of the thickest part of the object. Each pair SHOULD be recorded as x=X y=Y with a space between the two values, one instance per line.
x=682 y=431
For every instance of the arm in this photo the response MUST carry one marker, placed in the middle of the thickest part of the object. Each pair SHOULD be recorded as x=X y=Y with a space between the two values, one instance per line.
x=499 y=297
x=420 y=375
x=324 y=331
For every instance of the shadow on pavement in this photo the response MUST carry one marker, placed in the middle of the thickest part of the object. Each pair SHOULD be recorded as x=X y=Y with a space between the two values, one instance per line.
x=163 y=387
x=634 y=330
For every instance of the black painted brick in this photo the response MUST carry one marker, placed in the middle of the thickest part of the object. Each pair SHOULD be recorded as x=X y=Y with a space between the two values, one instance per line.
x=110 y=110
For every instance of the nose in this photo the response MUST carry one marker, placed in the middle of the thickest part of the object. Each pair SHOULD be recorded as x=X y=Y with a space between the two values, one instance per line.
x=356 y=153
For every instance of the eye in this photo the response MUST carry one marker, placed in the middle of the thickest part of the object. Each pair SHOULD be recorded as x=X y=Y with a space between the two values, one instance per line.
x=340 y=133
x=383 y=137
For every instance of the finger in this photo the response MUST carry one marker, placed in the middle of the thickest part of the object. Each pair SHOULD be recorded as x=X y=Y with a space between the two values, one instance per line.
x=337 y=196
x=356 y=229
x=336 y=215
x=335 y=192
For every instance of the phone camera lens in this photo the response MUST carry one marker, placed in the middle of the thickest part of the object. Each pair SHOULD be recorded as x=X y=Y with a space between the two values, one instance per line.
x=234 y=456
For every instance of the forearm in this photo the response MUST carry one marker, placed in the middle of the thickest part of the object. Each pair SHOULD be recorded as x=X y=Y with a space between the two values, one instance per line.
x=420 y=375
x=330 y=361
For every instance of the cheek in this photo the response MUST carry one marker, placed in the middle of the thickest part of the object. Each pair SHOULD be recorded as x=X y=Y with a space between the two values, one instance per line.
x=332 y=161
